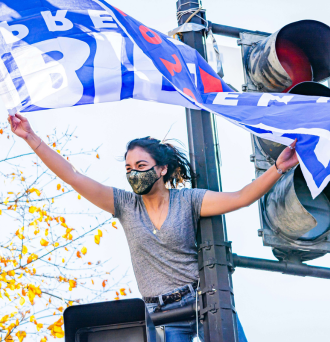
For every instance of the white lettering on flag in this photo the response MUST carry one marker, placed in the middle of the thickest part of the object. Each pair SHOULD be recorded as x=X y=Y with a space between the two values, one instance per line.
x=101 y=19
x=323 y=99
x=192 y=70
x=107 y=76
x=8 y=91
x=52 y=21
x=39 y=75
x=8 y=35
x=266 y=98
x=226 y=99
x=322 y=151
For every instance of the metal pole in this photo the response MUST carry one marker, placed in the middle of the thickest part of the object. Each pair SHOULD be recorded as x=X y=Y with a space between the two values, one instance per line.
x=292 y=268
x=215 y=268
x=233 y=32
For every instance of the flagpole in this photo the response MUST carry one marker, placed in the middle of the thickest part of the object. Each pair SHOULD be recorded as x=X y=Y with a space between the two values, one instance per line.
x=217 y=306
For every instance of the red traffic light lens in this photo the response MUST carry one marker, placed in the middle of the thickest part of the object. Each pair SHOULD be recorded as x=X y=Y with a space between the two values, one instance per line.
x=294 y=62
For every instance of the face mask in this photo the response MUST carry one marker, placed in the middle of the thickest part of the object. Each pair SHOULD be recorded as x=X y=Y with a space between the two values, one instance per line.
x=142 y=181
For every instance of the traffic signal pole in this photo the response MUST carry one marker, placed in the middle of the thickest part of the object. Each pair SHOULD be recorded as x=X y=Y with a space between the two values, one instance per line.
x=217 y=306
x=232 y=32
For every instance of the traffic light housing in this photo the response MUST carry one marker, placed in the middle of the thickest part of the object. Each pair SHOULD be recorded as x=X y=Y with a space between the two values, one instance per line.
x=298 y=52
x=123 y=320
x=292 y=60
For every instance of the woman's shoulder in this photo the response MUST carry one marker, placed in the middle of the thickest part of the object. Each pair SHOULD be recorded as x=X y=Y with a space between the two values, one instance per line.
x=123 y=196
x=188 y=193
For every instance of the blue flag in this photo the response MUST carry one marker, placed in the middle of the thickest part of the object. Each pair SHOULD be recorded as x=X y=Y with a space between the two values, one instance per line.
x=62 y=53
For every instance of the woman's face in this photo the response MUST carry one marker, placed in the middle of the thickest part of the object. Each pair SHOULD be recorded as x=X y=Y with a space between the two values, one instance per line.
x=139 y=159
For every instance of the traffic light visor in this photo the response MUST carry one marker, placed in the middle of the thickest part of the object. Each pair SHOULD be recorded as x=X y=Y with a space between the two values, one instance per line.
x=294 y=61
x=296 y=53
x=312 y=39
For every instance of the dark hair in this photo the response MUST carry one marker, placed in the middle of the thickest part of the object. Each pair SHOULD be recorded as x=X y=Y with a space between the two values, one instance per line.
x=179 y=169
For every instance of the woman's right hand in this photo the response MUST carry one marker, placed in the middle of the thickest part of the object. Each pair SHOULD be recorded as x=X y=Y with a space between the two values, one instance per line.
x=20 y=126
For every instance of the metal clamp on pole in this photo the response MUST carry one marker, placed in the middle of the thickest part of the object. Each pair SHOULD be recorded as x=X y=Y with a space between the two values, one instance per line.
x=208 y=244
x=213 y=309
x=212 y=289
x=213 y=261
x=210 y=308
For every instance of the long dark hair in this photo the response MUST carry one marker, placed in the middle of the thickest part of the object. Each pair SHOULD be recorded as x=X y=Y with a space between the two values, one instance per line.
x=179 y=169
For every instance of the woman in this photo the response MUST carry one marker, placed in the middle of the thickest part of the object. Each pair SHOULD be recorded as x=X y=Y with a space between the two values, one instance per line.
x=160 y=224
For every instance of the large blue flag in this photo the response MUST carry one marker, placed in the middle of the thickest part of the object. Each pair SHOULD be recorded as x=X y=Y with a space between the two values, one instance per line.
x=61 y=53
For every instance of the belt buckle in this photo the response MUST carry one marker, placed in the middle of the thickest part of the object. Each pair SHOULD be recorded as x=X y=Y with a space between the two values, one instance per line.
x=179 y=294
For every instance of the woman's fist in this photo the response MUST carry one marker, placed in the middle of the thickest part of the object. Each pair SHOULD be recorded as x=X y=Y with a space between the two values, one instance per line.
x=20 y=126
x=288 y=158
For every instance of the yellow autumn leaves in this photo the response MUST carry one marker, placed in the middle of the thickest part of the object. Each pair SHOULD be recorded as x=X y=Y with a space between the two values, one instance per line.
x=44 y=242
x=56 y=329
x=31 y=258
x=121 y=292
x=97 y=238
x=32 y=209
x=37 y=238
x=21 y=335
x=72 y=284
x=83 y=251
x=32 y=190
x=32 y=292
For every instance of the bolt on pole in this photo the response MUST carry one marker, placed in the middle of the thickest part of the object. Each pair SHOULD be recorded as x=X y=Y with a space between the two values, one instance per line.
x=217 y=306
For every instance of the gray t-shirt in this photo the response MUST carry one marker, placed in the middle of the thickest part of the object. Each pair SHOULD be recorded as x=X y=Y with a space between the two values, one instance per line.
x=168 y=259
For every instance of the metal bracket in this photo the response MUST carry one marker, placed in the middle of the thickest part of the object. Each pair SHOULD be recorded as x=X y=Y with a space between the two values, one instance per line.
x=213 y=289
x=246 y=42
x=249 y=87
x=188 y=27
x=213 y=261
x=213 y=308
x=208 y=244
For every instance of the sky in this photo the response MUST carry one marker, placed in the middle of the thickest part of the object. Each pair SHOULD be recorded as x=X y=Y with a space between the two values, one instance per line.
x=271 y=306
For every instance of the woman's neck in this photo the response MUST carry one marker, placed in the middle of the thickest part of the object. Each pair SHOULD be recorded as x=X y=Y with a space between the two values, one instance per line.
x=155 y=198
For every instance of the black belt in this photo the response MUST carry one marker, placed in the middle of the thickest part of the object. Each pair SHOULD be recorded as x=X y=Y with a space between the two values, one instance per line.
x=171 y=298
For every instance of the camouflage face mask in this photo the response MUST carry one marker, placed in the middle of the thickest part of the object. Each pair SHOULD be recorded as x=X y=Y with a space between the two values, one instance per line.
x=142 y=181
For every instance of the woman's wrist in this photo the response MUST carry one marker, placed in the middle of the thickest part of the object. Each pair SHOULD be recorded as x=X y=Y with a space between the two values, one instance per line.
x=278 y=169
x=33 y=140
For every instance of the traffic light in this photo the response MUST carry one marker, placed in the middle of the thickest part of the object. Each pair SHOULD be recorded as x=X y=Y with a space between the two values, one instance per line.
x=123 y=320
x=292 y=60
x=298 y=52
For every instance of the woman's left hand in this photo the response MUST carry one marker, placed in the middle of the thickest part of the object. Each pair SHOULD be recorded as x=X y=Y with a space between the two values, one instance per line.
x=288 y=158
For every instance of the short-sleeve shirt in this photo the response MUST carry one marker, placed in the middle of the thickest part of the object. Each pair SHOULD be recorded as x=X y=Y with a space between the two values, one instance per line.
x=168 y=259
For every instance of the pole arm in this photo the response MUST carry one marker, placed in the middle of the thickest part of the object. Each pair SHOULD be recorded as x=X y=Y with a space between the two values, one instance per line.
x=285 y=267
x=232 y=32
x=175 y=315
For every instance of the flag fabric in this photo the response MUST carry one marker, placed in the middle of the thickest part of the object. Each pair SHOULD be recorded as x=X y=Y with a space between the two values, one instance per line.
x=62 y=53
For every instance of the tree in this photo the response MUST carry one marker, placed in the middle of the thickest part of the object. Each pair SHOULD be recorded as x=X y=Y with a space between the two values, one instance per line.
x=44 y=261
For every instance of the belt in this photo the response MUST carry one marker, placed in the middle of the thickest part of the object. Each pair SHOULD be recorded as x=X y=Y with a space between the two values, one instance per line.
x=173 y=297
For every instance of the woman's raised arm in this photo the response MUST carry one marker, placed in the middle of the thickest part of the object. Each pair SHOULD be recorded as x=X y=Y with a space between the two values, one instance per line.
x=97 y=193
x=217 y=203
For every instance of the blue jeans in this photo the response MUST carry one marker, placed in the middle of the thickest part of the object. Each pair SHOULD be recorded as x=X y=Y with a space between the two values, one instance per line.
x=186 y=331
